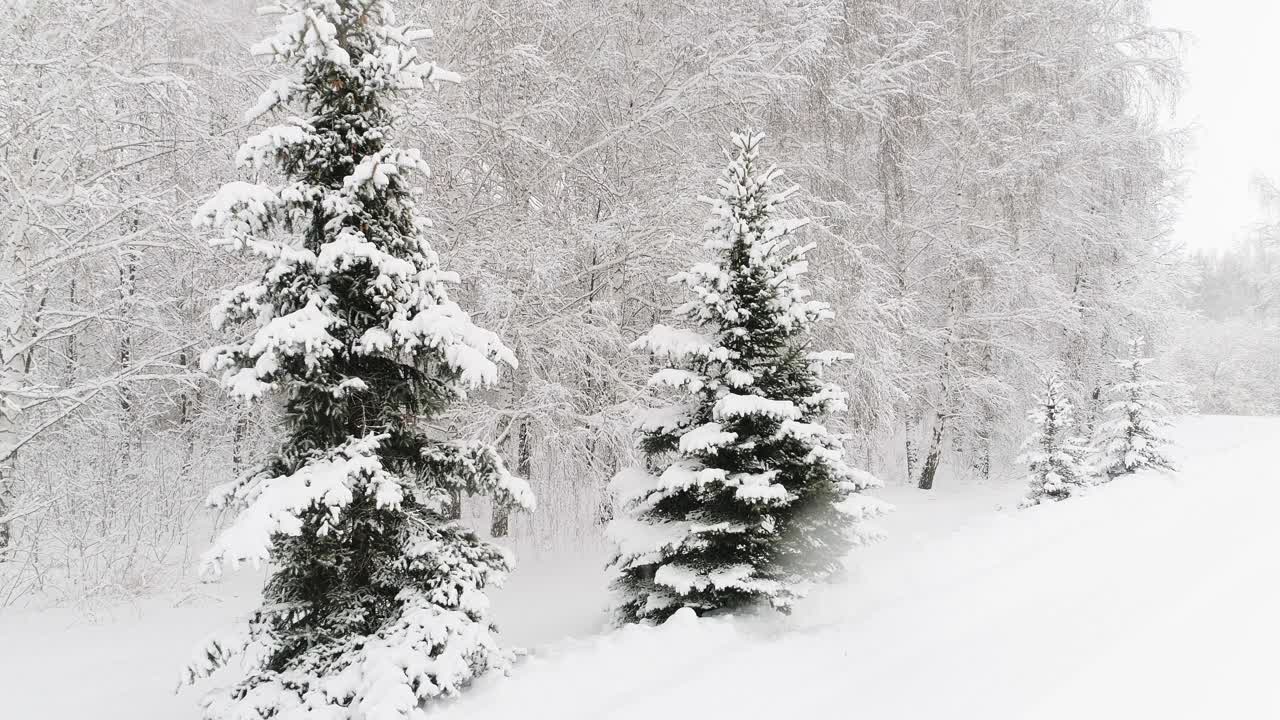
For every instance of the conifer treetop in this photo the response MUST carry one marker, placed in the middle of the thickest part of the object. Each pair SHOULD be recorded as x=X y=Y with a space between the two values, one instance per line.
x=334 y=155
x=745 y=222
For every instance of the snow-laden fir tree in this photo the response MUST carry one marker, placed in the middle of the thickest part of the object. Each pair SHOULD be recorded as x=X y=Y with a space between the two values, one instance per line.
x=376 y=601
x=1053 y=452
x=746 y=498
x=1131 y=434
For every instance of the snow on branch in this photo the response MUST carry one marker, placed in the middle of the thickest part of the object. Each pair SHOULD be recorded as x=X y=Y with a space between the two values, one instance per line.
x=477 y=469
x=677 y=343
x=706 y=437
x=733 y=405
x=274 y=505
x=472 y=351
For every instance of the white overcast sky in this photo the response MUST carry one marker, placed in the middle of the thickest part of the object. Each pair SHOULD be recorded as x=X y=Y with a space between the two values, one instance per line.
x=1232 y=102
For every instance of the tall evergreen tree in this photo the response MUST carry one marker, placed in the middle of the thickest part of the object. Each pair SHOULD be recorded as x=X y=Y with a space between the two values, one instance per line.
x=1130 y=437
x=746 y=497
x=376 y=602
x=1053 y=453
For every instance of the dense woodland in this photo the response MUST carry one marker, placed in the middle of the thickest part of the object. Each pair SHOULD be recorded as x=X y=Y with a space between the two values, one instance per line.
x=989 y=183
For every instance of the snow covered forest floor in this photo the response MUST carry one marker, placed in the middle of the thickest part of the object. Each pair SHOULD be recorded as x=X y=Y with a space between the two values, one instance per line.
x=1153 y=596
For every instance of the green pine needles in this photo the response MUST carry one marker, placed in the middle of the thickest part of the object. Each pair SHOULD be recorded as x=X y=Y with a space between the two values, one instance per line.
x=745 y=498
x=376 y=602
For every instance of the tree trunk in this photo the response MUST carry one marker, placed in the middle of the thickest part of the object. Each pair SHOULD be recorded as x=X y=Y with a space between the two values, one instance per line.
x=933 y=458
x=454 y=510
x=237 y=446
x=128 y=281
x=982 y=461
x=6 y=505
x=604 y=511
x=912 y=450
x=501 y=524
x=72 y=350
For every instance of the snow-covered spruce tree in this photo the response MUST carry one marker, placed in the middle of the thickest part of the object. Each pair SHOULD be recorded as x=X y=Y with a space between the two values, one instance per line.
x=1131 y=434
x=376 y=603
x=746 y=497
x=1052 y=452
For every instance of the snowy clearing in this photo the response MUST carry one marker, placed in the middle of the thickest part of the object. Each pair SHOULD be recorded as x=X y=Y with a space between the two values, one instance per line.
x=1151 y=597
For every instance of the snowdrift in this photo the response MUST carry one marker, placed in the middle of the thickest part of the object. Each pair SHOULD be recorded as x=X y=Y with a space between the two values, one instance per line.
x=1153 y=596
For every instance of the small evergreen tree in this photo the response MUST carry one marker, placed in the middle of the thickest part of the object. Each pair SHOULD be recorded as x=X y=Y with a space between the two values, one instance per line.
x=1131 y=435
x=746 y=497
x=1052 y=452
x=376 y=602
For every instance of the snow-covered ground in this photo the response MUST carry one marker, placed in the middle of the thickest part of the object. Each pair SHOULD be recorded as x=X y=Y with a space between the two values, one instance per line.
x=1154 y=596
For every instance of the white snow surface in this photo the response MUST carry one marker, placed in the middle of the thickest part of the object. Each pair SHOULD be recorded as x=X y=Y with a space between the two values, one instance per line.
x=1151 y=596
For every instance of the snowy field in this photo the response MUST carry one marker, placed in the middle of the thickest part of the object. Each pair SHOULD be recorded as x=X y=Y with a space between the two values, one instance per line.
x=1154 y=596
